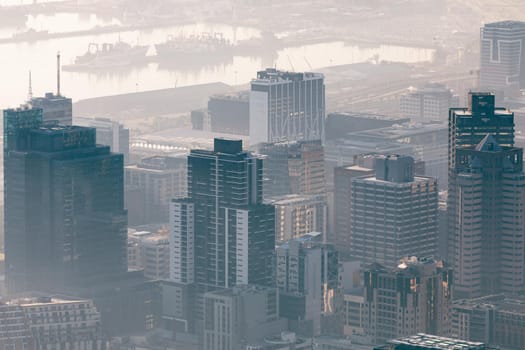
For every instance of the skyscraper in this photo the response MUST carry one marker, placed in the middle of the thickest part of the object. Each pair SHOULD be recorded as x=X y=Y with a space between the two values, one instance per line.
x=468 y=126
x=65 y=220
x=486 y=222
x=502 y=65
x=415 y=297
x=393 y=214
x=55 y=107
x=286 y=106
x=222 y=235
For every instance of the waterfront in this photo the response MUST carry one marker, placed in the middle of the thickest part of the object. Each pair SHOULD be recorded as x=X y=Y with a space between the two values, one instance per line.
x=19 y=58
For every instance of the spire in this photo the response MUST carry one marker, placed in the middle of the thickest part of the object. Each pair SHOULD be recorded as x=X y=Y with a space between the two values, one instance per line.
x=30 y=91
x=488 y=144
x=58 y=73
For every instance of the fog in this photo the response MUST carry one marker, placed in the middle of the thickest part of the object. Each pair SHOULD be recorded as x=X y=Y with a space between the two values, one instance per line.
x=249 y=174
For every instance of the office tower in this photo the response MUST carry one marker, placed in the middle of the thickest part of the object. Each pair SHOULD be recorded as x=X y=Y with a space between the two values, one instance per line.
x=415 y=297
x=54 y=323
x=109 y=133
x=298 y=215
x=342 y=201
x=494 y=319
x=55 y=107
x=238 y=316
x=486 y=224
x=230 y=113
x=393 y=213
x=65 y=219
x=431 y=342
x=293 y=168
x=151 y=184
x=468 y=126
x=286 y=106
x=502 y=66
x=308 y=281
x=429 y=103
x=222 y=235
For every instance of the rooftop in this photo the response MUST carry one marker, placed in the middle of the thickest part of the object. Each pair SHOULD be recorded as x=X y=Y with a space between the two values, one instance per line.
x=272 y=75
x=432 y=342
x=510 y=304
x=506 y=24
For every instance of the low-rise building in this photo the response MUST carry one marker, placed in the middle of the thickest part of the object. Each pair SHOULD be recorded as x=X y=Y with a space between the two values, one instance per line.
x=423 y=341
x=495 y=319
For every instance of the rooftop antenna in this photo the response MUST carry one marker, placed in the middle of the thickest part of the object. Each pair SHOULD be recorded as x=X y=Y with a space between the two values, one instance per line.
x=30 y=91
x=58 y=73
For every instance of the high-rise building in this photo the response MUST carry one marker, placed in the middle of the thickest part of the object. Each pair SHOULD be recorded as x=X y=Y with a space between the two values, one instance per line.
x=502 y=66
x=293 y=168
x=431 y=342
x=222 y=235
x=308 y=280
x=468 y=126
x=297 y=215
x=109 y=133
x=238 y=316
x=230 y=113
x=151 y=184
x=495 y=319
x=393 y=213
x=55 y=107
x=415 y=297
x=429 y=103
x=286 y=106
x=342 y=201
x=65 y=219
x=486 y=223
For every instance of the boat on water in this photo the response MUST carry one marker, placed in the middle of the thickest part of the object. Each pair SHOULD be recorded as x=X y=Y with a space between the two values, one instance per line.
x=108 y=55
x=31 y=35
x=203 y=48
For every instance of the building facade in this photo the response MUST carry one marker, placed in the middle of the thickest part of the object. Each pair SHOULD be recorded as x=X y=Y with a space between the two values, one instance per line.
x=151 y=185
x=230 y=113
x=222 y=235
x=308 y=279
x=415 y=297
x=502 y=51
x=297 y=215
x=486 y=224
x=109 y=133
x=342 y=201
x=393 y=214
x=293 y=168
x=286 y=106
x=428 y=104
x=495 y=319
x=50 y=323
x=241 y=315
x=55 y=107
x=65 y=219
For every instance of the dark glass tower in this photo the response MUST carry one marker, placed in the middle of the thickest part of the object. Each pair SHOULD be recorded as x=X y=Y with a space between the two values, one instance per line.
x=65 y=223
x=222 y=235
